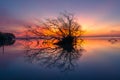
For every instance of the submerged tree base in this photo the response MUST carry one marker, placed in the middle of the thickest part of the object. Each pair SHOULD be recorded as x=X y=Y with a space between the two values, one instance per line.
x=66 y=43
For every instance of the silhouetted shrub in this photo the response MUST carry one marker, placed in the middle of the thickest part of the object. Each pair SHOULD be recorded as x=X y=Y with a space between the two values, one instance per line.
x=6 y=39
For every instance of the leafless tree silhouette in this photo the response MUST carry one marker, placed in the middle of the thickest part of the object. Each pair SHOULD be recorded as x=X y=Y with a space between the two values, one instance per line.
x=64 y=27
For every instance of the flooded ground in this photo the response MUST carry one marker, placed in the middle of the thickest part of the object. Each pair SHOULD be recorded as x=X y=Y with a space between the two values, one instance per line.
x=94 y=59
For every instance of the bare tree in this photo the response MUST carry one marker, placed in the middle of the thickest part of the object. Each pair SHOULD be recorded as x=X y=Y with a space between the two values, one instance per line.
x=64 y=27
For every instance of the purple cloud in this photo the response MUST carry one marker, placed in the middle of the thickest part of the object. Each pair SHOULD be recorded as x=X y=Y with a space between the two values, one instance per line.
x=7 y=20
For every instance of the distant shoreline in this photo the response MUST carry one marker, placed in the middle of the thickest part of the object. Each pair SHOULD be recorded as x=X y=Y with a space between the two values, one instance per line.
x=84 y=37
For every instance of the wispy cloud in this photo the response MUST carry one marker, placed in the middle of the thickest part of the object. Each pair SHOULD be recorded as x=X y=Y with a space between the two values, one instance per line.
x=7 y=20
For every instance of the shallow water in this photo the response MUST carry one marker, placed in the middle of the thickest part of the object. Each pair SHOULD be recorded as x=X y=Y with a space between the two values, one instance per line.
x=99 y=59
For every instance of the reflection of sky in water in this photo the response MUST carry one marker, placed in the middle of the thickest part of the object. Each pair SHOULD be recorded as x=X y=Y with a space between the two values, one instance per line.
x=100 y=60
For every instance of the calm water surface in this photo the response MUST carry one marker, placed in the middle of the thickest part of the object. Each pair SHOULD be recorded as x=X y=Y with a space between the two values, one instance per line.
x=98 y=59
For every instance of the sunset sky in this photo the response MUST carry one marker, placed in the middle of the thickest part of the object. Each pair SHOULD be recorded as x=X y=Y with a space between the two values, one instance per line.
x=97 y=17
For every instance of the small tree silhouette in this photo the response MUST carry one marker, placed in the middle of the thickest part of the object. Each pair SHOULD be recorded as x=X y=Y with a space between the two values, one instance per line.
x=6 y=36
x=6 y=39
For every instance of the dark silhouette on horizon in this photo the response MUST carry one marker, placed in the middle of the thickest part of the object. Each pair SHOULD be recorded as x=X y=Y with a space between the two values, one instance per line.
x=113 y=40
x=6 y=39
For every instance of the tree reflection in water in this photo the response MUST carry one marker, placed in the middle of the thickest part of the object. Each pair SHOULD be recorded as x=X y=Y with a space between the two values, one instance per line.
x=47 y=54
